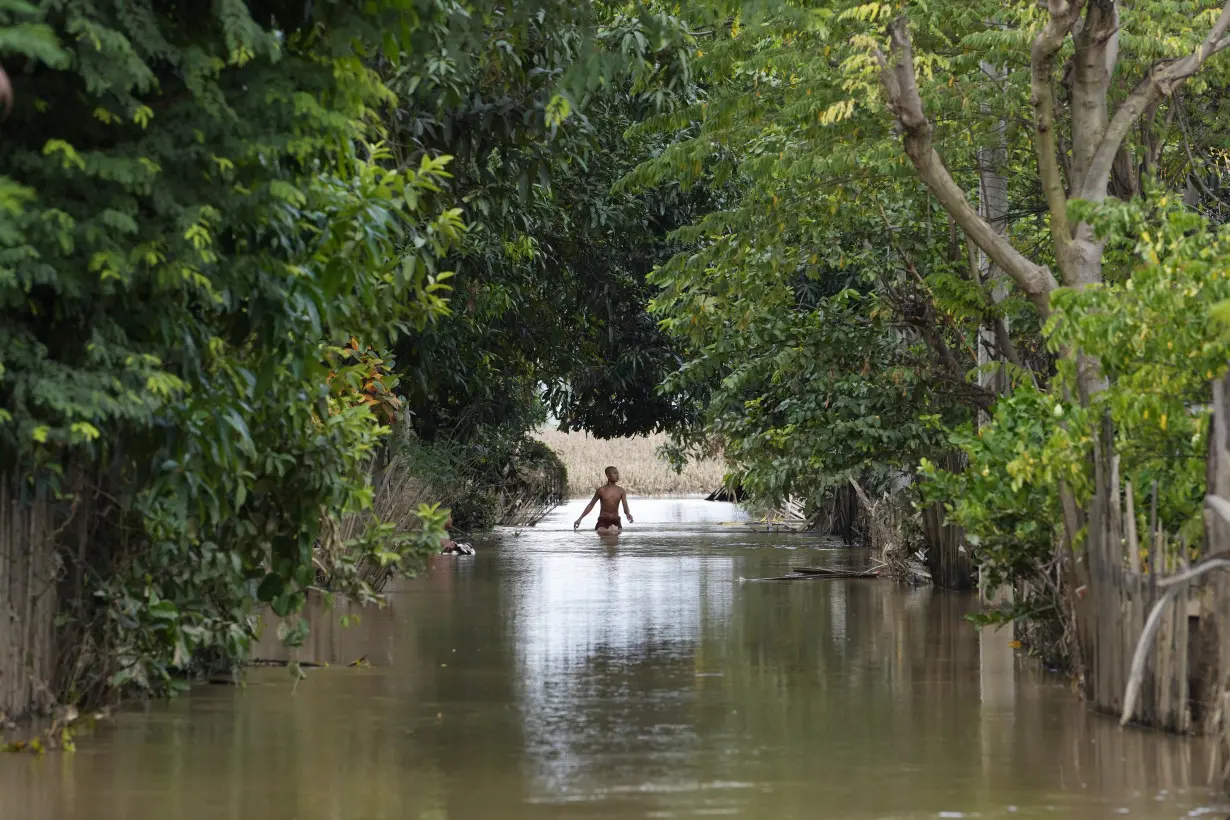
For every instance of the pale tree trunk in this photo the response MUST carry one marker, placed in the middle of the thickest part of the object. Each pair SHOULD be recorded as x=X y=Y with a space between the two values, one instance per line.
x=1215 y=620
x=993 y=207
x=994 y=343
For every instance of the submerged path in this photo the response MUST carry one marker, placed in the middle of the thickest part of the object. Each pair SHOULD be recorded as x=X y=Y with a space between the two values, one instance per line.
x=556 y=676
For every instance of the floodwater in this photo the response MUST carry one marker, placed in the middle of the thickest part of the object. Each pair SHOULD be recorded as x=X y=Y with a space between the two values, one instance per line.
x=557 y=676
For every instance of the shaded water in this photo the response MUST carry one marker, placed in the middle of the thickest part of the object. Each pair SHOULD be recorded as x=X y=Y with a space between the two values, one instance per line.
x=557 y=676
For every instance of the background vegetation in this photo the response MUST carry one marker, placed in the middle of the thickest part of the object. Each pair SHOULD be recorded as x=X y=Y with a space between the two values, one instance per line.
x=642 y=470
x=242 y=241
x=962 y=235
x=259 y=259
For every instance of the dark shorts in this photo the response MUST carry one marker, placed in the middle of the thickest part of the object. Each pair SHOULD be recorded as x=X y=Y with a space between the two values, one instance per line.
x=608 y=520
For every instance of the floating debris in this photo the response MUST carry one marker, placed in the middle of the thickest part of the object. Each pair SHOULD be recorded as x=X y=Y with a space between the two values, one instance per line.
x=816 y=573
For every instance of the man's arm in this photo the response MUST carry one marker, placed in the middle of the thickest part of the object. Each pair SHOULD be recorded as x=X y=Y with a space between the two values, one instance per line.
x=588 y=507
x=625 y=500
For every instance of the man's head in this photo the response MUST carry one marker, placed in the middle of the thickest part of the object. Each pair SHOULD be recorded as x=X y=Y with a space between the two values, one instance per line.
x=612 y=475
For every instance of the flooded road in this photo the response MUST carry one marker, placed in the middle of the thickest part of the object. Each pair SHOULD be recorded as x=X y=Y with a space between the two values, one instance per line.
x=557 y=676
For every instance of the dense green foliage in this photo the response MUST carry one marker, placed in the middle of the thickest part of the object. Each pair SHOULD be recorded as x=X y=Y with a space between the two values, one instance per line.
x=841 y=321
x=498 y=477
x=195 y=224
x=830 y=311
x=551 y=282
x=820 y=346
x=1159 y=370
x=241 y=240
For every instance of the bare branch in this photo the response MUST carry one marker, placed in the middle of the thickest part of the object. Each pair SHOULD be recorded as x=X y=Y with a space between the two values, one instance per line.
x=1004 y=342
x=1064 y=16
x=1161 y=81
x=901 y=93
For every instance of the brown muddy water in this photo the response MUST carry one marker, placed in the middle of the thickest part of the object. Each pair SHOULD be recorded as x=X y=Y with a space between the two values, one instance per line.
x=557 y=676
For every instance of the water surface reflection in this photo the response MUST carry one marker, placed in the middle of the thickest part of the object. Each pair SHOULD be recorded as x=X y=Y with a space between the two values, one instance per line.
x=556 y=675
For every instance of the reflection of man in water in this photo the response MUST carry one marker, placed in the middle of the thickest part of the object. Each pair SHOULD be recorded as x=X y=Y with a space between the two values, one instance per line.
x=610 y=494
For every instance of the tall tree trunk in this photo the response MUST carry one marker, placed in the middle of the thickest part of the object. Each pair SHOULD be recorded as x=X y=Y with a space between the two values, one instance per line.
x=993 y=207
x=28 y=601
x=1213 y=685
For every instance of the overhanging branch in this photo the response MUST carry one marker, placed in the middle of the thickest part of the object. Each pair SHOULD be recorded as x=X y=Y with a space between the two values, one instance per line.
x=1161 y=81
x=901 y=94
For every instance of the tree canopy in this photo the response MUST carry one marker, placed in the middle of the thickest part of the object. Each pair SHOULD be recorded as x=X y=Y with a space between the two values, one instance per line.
x=953 y=227
x=240 y=241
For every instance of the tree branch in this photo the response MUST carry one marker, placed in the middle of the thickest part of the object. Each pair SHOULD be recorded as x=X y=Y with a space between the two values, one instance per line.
x=1063 y=16
x=1161 y=81
x=1004 y=342
x=901 y=93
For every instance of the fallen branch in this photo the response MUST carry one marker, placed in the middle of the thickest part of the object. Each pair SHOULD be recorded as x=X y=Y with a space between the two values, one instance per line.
x=832 y=571
x=815 y=574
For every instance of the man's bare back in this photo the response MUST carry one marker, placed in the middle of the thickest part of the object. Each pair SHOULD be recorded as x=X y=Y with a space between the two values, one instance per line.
x=610 y=495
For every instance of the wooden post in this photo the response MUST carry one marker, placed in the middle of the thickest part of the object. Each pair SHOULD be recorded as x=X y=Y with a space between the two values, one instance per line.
x=1154 y=567
x=1215 y=614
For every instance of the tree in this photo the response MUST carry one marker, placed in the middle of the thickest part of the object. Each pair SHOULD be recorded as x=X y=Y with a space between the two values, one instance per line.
x=1086 y=172
x=830 y=240
x=1028 y=164
x=195 y=224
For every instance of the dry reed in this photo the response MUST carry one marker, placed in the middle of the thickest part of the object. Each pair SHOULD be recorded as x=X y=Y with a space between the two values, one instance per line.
x=640 y=469
x=397 y=494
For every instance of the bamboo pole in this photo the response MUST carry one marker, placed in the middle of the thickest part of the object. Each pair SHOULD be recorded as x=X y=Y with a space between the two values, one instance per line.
x=1154 y=569
x=1133 y=542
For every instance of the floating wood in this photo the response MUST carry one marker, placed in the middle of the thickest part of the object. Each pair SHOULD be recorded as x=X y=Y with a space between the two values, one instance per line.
x=280 y=663
x=820 y=573
x=830 y=571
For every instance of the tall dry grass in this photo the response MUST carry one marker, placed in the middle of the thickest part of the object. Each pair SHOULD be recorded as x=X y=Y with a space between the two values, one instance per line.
x=640 y=469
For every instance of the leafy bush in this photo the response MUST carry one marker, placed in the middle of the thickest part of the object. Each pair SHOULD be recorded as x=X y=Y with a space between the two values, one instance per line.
x=1153 y=329
x=193 y=228
x=1007 y=505
x=487 y=481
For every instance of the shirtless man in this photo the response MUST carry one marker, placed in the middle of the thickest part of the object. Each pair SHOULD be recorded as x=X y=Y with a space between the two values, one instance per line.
x=610 y=494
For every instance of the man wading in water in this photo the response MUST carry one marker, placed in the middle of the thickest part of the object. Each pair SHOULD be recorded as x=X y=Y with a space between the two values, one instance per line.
x=610 y=494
